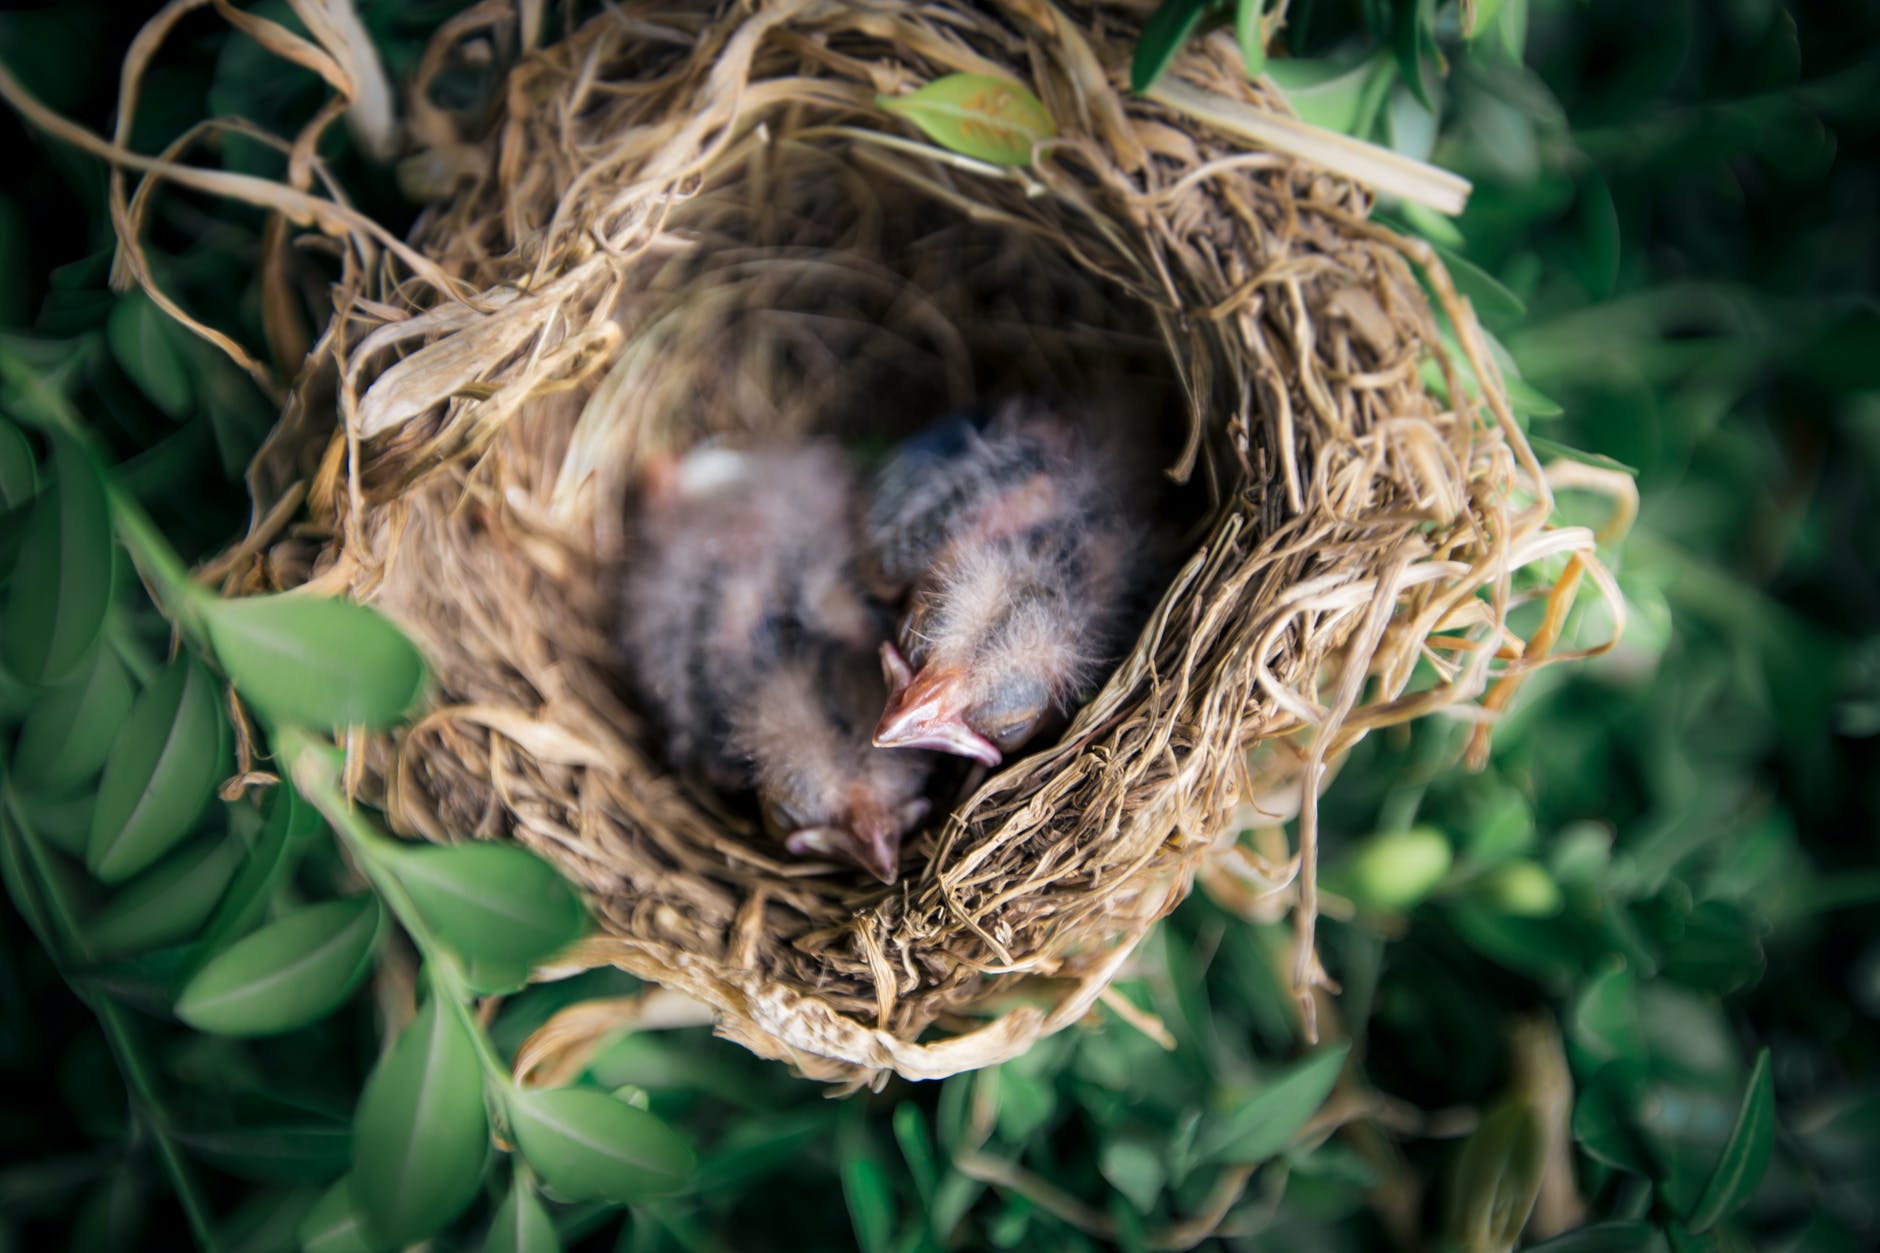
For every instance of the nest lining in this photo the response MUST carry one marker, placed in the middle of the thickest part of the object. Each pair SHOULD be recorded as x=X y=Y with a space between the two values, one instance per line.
x=683 y=223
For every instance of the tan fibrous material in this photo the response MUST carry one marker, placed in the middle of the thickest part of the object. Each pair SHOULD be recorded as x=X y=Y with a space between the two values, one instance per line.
x=677 y=221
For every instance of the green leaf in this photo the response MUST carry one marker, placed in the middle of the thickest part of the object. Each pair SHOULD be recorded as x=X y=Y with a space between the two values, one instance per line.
x=1135 y=1168
x=589 y=1146
x=1249 y=34
x=60 y=590
x=163 y=768
x=144 y=341
x=335 y=1225
x=1492 y=299
x=314 y=660
x=19 y=476
x=167 y=902
x=288 y=823
x=1520 y=887
x=68 y=733
x=521 y=1224
x=1745 y=1156
x=421 y=1136
x=1496 y=1180
x=1394 y=870
x=1342 y=98
x=1272 y=1116
x=1165 y=33
x=287 y=974
x=1617 y=1237
x=979 y=115
x=910 y=1133
x=870 y=1200
x=492 y=903
x=1603 y=1119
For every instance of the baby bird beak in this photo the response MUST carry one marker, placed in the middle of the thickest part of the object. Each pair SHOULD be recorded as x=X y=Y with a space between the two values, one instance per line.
x=925 y=712
x=875 y=847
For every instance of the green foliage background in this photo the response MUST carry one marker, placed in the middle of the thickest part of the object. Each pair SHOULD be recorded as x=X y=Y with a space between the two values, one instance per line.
x=1668 y=867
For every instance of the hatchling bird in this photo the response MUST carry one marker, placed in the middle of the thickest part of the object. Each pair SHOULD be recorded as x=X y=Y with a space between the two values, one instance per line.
x=1015 y=545
x=743 y=620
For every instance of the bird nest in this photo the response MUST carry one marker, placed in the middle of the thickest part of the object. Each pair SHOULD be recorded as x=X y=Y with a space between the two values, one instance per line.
x=681 y=221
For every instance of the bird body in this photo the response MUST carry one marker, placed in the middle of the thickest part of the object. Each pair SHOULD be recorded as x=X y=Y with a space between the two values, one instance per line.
x=751 y=641
x=1012 y=540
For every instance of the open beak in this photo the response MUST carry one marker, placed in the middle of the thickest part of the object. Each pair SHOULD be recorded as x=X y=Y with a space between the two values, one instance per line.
x=924 y=713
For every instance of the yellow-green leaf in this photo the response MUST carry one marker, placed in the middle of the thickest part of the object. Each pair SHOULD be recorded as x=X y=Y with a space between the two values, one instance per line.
x=993 y=119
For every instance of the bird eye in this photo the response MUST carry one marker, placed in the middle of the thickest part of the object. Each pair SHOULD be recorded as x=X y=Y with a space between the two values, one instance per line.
x=781 y=817
x=1010 y=714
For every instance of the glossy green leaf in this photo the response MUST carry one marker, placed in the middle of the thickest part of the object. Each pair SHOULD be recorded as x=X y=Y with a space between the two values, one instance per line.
x=1614 y=1237
x=1746 y=1155
x=979 y=115
x=60 y=589
x=335 y=1225
x=167 y=902
x=492 y=903
x=315 y=661
x=1496 y=1180
x=1269 y=1119
x=421 y=1136
x=144 y=341
x=588 y=1146
x=287 y=974
x=1166 y=32
x=19 y=475
x=68 y=733
x=165 y=762
x=521 y=1224
x=1250 y=35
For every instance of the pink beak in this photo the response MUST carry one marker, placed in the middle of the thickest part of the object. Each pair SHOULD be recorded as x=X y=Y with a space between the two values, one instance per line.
x=874 y=844
x=923 y=712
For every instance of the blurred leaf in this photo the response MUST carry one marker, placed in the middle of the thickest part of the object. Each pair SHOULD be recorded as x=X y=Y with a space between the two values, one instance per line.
x=1719 y=949
x=978 y=115
x=1268 y=1120
x=521 y=1224
x=315 y=660
x=1746 y=1156
x=1165 y=33
x=1496 y=1180
x=1519 y=887
x=1337 y=97
x=19 y=473
x=60 y=589
x=1025 y=1104
x=1249 y=35
x=871 y=1202
x=910 y=1133
x=165 y=762
x=1618 y=1237
x=1134 y=1168
x=1492 y=300
x=491 y=903
x=421 y=1136
x=334 y=1225
x=1602 y=1118
x=167 y=902
x=288 y=822
x=588 y=1146
x=1414 y=45
x=68 y=732
x=144 y=341
x=288 y=974
x=1394 y=870
x=272 y=1143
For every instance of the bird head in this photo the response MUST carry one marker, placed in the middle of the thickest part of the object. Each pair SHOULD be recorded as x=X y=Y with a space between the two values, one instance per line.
x=928 y=708
x=871 y=838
